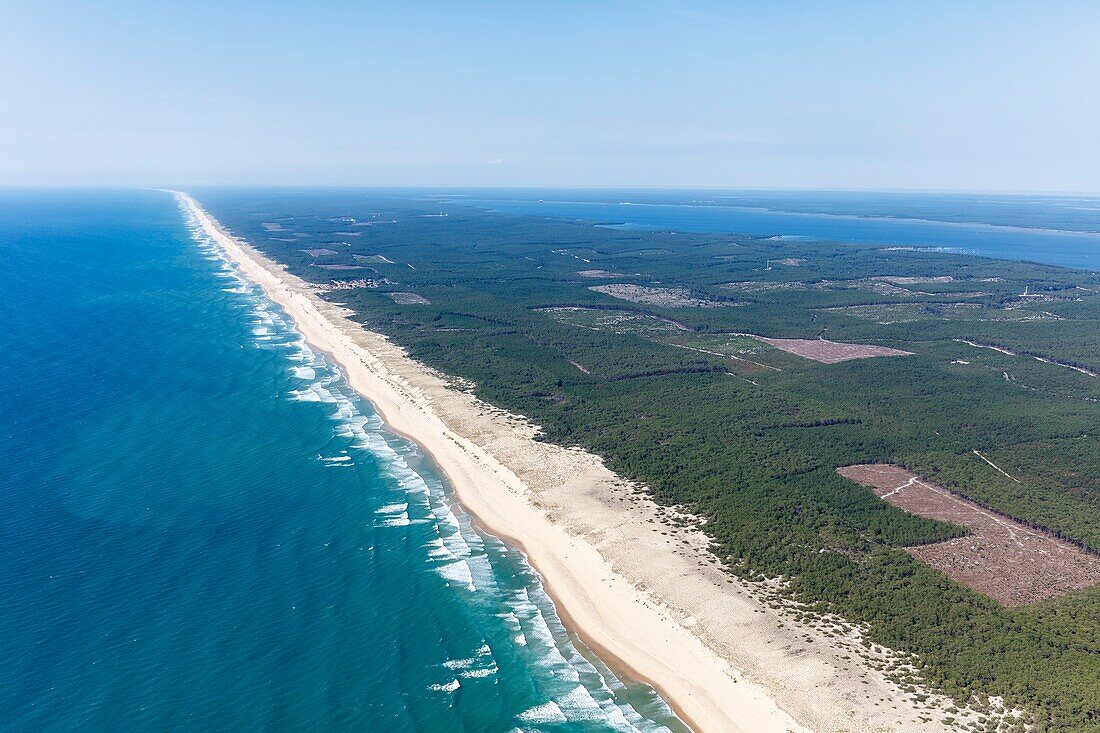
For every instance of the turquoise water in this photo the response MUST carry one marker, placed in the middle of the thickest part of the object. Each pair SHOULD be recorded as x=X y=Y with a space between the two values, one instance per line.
x=202 y=528
x=1054 y=230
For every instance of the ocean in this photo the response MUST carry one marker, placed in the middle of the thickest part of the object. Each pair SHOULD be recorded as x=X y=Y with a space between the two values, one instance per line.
x=203 y=528
x=1054 y=230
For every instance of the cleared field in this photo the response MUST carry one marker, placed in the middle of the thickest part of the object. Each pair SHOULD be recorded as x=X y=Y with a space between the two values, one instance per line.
x=614 y=321
x=918 y=280
x=666 y=297
x=886 y=286
x=719 y=344
x=830 y=352
x=364 y=282
x=886 y=314
x=408 y=299
x=600 y=273
x=1008 y=561
x=663 y=331
x=763 y=286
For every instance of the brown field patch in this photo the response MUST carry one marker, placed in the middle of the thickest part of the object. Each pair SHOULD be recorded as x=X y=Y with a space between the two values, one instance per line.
x=1004 y=559
x=831 y=352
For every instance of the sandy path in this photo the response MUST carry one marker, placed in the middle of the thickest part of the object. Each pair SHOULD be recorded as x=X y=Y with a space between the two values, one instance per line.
x=649 y=600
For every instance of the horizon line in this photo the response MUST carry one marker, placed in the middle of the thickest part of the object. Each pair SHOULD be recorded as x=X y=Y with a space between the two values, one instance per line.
x=548 y=187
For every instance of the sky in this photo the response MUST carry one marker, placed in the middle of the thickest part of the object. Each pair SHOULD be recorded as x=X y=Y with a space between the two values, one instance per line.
x=995 y=96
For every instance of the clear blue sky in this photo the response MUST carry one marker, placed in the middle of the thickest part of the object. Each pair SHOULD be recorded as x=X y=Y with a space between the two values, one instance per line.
x=930 y=95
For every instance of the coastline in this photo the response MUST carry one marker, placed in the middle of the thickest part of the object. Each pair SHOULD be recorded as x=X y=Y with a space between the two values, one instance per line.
x=723 y=659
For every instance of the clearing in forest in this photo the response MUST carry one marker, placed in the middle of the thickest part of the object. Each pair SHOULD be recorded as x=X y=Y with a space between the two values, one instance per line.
x=1006 y=560
x=408 y=299
x=612 y=320
x=887 y=313
x=667 y=297
x=830 y=352
x=600 y=273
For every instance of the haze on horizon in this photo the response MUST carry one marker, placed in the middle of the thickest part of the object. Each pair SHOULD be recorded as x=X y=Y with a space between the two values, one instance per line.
x=857 y=95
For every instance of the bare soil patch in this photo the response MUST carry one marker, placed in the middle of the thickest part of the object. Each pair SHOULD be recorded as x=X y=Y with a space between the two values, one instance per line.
x=1004 y=559
x=831 y=352
x=339 y=267
x=319 y=252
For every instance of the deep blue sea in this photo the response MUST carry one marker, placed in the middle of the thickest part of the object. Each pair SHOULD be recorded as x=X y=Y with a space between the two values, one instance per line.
x=202 y=528
x=1055 y=230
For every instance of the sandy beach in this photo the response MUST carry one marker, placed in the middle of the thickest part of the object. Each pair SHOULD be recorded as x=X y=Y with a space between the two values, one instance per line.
x=649 y=599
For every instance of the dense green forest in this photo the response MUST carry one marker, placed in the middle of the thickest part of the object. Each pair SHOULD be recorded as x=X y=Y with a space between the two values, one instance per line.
x=663 y=382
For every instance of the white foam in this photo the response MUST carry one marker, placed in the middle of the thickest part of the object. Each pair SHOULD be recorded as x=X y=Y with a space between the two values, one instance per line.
x=510 y=619
x=477 y=673
x=303 y=372
x=313 y=393
x=457 y=572
x=548 y=712
x=439 y=551
x=402 y=521
x=448 y=687
x=459 y=664
x=578 y=704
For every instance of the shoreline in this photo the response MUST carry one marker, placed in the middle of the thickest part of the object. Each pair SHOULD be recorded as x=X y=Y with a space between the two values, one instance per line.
x=694 y=703
x=723 y=659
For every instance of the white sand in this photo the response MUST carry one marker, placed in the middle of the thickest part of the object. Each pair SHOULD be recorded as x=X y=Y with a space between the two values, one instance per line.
x=651 y=604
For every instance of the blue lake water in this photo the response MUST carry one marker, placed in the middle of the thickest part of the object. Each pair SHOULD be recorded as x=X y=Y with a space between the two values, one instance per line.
x=1056 y=230
x=202 y=528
